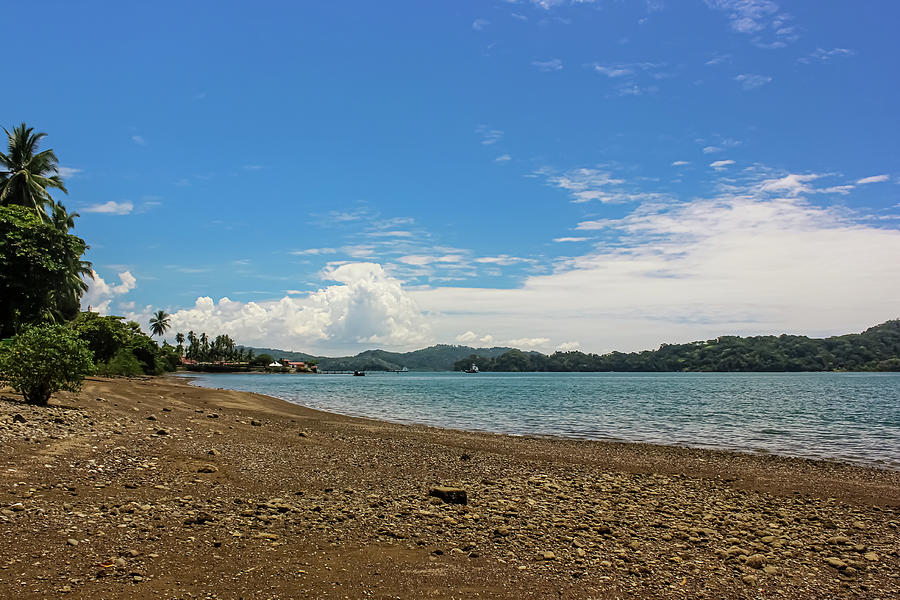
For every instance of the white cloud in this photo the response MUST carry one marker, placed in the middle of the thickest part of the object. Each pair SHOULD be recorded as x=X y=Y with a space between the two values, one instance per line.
x=111 y=208
x=502 y=260
x=568 y=346
x=681 y=163
x=792 y=184
x=613 y=71
x=570 y=239
x=313 y=251
x=487 y=340
x=822 y=55
x=480 y=24
x=749 y=81
x=554 y=64
x=365 y=307
x=489 y=137
x=65 y=172
x=711 y=149
x=139 y=140
x=873 y=179
x=720 y=165
x=393 y=233
x=503 y=158
x=746 y=16
x=718 y=59
x=586 y=184
x=745 y=263
x=100 y=294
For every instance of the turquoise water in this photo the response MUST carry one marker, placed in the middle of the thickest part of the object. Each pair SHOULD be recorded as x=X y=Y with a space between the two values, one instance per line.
x=851 y=417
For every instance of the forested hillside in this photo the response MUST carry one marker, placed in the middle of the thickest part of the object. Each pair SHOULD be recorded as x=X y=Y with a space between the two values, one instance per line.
x=876 y=349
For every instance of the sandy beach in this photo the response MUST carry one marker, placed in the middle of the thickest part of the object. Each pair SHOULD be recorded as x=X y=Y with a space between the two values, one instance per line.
x=152 y=488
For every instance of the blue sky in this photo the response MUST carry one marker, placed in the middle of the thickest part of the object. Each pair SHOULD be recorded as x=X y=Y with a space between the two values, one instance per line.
x=540 y=173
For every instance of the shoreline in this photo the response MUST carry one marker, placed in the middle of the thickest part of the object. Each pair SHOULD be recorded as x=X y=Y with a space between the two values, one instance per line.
x=295 y=502
x=758 y=452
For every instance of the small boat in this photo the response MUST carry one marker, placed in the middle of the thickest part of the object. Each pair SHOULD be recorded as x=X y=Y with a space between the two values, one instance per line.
x=359 y=373
x=472 y=369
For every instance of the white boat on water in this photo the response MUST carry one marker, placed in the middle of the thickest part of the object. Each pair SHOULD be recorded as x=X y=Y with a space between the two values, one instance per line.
x=472 y=369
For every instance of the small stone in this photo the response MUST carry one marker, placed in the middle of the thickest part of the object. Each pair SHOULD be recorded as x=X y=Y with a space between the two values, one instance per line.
x=769 y=570
x=162 y=432
x=166 y=409
x=870 y=556
x=836 y=563
x=207 y=469
x=756 y=561
x=213 y=452
x=749 y=579
x=256 y=423
x=17 y=418
x=152 y=418
x=133 y=553
x=450 y=495
x=212 y=416
x=72 y=542
x=120 y=562
x=302 y=434
x=839 y=540
x=548 y=555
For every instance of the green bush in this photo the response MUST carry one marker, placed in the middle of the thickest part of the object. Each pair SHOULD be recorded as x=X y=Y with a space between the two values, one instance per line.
x=43 y=360
x=124 y=363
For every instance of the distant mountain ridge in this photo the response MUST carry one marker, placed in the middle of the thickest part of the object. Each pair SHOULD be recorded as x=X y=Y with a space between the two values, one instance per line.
x=434 y=358
x=875 y=349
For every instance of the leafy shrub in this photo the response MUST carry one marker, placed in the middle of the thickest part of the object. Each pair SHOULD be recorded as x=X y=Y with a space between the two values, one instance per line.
x=122 y=363
x=43 y=360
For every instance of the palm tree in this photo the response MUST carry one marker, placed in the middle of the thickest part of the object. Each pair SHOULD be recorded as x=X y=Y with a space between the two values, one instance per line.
x=26 y=174
x=179 y=339
x=159 y=323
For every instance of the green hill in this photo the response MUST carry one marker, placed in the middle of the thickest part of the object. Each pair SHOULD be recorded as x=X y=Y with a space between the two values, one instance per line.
x=875 y=349
x=434 y=358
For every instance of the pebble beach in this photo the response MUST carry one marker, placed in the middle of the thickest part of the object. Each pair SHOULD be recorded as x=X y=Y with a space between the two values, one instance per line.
x=140 y=488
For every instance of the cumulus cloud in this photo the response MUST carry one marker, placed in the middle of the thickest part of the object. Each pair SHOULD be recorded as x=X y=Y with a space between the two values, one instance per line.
x=365 y=307
x=525 y=343
x=568 y=346
x=744 y=263
x=111 y=208
x=100 y=294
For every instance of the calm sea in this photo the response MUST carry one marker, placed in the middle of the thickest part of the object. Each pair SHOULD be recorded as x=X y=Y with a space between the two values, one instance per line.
x=852 y=417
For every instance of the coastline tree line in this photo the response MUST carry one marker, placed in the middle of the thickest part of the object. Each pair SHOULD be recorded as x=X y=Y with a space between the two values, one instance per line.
x=876 y=349
x=46 y=343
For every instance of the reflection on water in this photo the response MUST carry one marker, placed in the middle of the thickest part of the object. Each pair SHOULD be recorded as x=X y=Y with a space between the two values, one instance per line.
x=845 y=416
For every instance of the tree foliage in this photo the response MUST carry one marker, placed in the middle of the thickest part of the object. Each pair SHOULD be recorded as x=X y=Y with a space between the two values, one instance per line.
x=110 y=339
x=876 y=349
x=43 y=360
x=26 y=175
x=40 y=270
x=159 y=323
